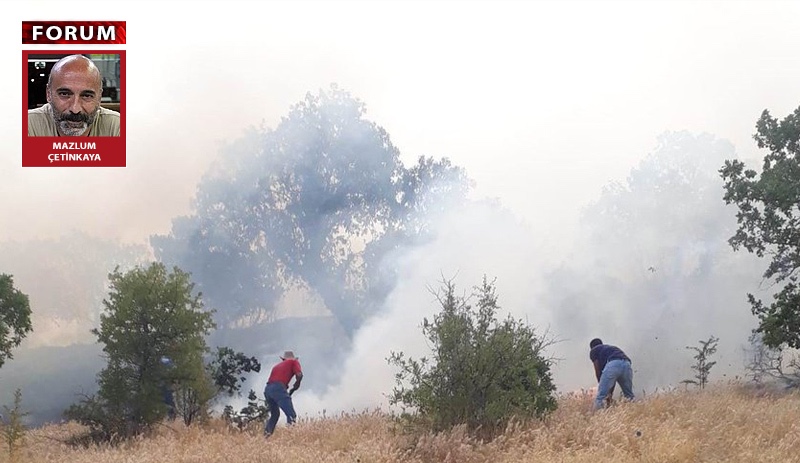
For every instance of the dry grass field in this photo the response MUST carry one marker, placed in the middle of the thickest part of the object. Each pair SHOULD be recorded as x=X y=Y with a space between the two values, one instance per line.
x=725 y=423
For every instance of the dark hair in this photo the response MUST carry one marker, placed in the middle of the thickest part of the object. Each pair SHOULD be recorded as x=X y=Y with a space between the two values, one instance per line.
x=595 y=342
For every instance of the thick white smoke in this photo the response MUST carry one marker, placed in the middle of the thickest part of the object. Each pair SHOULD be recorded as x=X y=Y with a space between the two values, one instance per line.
x=469 y=243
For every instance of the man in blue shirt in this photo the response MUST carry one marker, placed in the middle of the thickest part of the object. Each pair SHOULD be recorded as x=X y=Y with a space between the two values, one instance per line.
x=611 y=366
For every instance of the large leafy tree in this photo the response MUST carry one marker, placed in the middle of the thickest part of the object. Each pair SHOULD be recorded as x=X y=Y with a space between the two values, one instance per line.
x=15 y=317
x=769 y=222
x=314 y=204
x=150 y=313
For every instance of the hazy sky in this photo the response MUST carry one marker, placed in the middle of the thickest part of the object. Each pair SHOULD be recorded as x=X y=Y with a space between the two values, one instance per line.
x=542 y=102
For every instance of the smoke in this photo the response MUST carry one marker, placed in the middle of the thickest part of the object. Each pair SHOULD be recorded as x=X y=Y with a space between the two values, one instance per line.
x=65 y=280
x=649 y=271
x=471 y=241
x=541 y=106
x=652 y=273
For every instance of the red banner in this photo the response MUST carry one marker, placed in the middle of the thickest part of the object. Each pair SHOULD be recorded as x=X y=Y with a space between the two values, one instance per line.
x=78 y=152
x=73 y=32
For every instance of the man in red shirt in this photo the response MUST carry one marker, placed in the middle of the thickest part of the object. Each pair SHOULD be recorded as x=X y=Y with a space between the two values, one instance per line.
x=277 y=392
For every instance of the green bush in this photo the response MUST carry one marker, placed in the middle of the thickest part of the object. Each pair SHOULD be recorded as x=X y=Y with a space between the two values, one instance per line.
x=482 y=373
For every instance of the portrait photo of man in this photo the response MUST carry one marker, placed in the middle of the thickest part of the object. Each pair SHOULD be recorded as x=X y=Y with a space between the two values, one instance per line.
x=74 y=103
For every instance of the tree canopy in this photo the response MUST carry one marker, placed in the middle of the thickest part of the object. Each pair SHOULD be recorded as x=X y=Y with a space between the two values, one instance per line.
x=15 y=317
x=769 y=222
x=151 y=314
x=314 y=204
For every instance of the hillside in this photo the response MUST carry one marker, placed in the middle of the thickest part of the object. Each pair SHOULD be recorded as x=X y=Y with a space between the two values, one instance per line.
x=729 y=423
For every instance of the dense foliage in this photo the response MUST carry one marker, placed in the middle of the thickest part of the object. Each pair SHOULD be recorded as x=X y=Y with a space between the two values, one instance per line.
x=151 y=314
x=15 y=317
x=769 y=222
x=482 y=372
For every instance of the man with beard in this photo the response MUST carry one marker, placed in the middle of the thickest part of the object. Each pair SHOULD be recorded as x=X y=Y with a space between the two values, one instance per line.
x=73 y=109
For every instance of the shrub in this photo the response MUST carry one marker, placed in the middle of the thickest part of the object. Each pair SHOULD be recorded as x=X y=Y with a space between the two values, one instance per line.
x=482 y=372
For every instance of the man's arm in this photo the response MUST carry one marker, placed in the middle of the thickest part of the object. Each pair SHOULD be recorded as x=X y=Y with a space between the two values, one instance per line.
x=297 y=378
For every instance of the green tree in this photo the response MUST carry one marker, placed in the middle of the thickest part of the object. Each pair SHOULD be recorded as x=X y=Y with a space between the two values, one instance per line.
x=482 y=372
x=15 y=317
x=769 y=222
x=703 y=364
x=150 y=313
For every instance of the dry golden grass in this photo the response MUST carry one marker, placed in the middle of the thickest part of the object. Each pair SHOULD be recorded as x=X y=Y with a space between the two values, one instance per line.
x=722 y=424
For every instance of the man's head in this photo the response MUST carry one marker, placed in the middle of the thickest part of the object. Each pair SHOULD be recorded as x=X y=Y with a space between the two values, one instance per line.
x=288 y=355
x=595 y=342
x=74 y=88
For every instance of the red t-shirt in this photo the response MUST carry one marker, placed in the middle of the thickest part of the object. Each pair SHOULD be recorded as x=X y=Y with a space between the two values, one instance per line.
x=284 y=371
